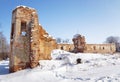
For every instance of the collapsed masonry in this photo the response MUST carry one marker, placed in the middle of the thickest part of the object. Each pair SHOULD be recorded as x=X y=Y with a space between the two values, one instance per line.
x=29 y=42
x=79 y=43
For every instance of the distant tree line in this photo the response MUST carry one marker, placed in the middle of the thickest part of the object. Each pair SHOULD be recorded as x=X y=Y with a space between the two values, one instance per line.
x=60 y=40
x=4 y=47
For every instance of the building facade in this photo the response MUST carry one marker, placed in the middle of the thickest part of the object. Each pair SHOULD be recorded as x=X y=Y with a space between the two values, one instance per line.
x=100 y=48
x=65 y=46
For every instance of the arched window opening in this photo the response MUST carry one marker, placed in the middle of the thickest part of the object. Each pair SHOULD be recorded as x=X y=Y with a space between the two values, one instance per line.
x=23 y=28
x=94 y=47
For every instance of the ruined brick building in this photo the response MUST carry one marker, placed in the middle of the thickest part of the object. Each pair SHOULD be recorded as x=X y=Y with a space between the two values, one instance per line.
x=79 y=45
x=65 y=46
x=29 y=42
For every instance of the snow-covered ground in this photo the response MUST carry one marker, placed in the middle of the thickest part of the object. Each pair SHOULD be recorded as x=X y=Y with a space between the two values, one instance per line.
x=63 y=68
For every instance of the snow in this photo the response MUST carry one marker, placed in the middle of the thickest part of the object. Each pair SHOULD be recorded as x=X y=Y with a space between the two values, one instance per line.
x=63 y=68
x=25 y=7
x=31 y=40
x=40 y=24
x=34 y=30
x=47 y=36
x=33 y=12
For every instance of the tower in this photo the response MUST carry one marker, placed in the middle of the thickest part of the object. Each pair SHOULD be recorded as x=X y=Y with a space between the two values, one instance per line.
x=24 y=41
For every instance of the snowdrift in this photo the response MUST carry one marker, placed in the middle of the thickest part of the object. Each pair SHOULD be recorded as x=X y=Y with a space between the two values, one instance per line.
x=63 y=68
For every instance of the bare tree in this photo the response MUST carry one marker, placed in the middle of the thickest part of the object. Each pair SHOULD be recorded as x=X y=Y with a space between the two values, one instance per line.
x=59 y=40
x=4 y=47
x=66 y=41
x=115 y=40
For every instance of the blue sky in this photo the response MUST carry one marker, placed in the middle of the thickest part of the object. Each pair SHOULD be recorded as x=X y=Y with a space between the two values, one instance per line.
x=95 y=19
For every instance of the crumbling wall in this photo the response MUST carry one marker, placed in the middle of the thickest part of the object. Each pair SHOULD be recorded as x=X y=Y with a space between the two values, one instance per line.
x=46 y=44
x=29 y=41
x=66 y=47
x=100 y=48
x=79 y=43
